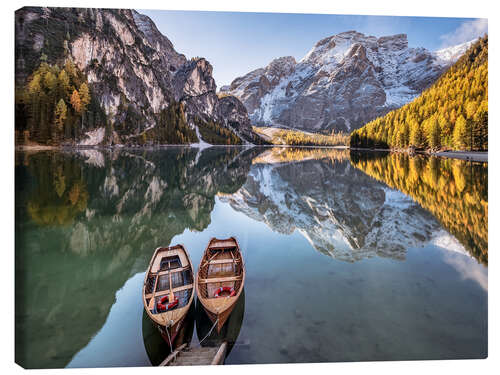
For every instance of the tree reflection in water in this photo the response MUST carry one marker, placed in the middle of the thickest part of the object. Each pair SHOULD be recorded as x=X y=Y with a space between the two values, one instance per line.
x=85 y=224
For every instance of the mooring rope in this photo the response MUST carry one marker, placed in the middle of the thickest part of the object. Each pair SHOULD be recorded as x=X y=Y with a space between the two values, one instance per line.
x=169 y=341
x=166 y=329
x=211 y=329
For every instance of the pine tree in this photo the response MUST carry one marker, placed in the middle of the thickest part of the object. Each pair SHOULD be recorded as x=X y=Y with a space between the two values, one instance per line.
x=470 y=109
x=405 y=135
x=84 y=99
x=34 y=89
x=434 y=134
x=63 y=83
x=417 y=138
x=460 y=134
x=84 y=96
x=50 y=82
x=75 y=102
x=480 y=131
x=60 y=114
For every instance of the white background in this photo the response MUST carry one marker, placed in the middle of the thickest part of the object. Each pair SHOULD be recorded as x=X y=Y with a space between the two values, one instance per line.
x=470 y=8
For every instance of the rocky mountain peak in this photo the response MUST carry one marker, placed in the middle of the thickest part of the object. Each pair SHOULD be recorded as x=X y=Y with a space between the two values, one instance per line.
x=358 y=51
x=344 y=81
x=281 y=66
x=332 y=49
x=394 y=42
x=194 y=79
x=159 y=41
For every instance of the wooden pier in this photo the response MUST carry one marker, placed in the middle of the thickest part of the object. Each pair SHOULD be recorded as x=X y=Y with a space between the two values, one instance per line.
x=199 y=356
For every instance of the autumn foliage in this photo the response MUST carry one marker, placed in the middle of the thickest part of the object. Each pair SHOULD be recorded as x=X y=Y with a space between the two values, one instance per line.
x=452 y=113
x=56 y=104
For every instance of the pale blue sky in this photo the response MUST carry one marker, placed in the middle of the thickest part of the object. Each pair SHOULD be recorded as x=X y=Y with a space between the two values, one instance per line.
x=236 y=42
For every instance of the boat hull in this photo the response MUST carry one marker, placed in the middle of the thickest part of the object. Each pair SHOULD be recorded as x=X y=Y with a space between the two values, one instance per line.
x=220 y=318
x=171 y=331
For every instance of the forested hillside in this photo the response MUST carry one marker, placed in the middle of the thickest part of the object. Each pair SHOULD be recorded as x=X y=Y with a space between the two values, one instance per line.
x=54 y=104
x=291 y=137
x=452 y=113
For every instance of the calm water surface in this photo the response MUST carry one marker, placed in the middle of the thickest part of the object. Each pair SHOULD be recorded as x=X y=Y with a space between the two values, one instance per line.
x=350 y=257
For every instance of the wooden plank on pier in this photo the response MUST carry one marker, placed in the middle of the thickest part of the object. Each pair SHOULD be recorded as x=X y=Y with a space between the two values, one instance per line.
x=199 y=356
x=220 y=355
x=172 y=355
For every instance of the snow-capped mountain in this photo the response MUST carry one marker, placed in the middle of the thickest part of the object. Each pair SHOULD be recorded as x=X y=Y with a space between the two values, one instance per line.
x=344 y=81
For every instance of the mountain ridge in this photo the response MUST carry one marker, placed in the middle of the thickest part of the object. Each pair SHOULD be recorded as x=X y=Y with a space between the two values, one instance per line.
x=344 y=81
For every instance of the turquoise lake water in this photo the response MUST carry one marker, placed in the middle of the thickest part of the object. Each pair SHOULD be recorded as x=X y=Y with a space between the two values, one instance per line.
x=343 y=264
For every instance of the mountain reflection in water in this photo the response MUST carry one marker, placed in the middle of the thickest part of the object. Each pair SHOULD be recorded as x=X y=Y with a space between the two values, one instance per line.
x=70 y=269
x=87 y=221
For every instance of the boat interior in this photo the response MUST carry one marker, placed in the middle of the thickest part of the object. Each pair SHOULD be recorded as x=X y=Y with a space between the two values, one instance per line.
x=170 y=275
x=221 y=267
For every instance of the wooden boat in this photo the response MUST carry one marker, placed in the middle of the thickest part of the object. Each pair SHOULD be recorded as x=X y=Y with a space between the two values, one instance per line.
x=168 y=292
x=220 y=279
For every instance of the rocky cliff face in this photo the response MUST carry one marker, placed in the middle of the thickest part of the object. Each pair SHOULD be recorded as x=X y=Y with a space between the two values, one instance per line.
x=235 y=116
x=128 y=62
x=343 y=82
x=194 y=85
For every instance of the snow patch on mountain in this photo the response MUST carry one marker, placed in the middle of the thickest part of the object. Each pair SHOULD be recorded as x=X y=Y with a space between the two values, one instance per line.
x=201 y=143
x=93 y=137
x=453 y=53
x=399 y=96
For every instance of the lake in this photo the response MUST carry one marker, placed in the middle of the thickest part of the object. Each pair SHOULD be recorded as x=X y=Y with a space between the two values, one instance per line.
x=350 y=256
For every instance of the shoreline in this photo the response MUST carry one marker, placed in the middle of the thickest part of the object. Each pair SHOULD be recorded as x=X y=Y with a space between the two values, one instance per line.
x=153 y=147
x=481 y=156
x=35 y=148
x=477 y=156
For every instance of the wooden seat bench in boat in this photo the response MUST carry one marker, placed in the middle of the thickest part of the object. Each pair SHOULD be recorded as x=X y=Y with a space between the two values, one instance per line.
x=223 y=261
x=167 y=291
x=222 y=244
x=180 y=269
x=220 y=279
